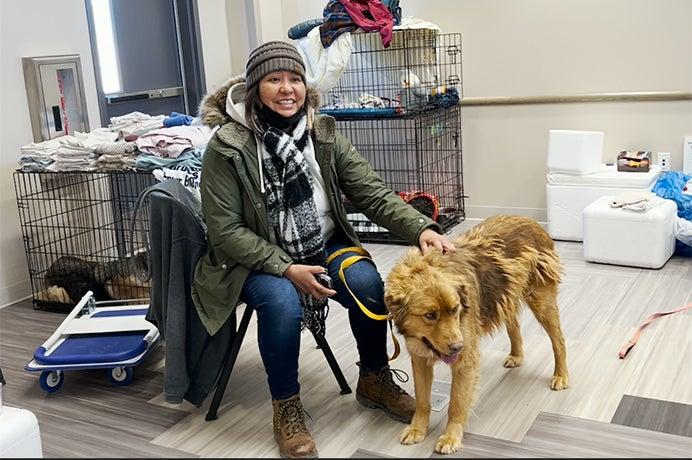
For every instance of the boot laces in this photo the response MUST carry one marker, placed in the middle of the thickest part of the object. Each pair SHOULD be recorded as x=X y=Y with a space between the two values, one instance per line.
x=291 y=416
x=387 y=383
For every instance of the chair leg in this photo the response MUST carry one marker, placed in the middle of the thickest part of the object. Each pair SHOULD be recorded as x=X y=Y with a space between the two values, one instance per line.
x=229 y=362
x=324 y=346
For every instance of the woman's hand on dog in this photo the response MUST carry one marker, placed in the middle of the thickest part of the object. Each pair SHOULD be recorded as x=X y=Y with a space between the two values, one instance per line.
x=431 y=239
x=303 y=277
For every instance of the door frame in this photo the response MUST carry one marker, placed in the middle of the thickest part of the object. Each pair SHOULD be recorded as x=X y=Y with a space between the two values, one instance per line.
x=186 y=15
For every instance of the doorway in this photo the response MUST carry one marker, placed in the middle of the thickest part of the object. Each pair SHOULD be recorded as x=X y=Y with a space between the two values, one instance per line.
x=147 y=56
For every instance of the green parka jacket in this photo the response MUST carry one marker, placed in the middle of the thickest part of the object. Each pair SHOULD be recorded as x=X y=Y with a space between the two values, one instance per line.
x=234 y=209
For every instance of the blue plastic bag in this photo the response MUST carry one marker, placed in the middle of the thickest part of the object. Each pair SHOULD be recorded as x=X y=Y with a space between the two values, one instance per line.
x=670 y=186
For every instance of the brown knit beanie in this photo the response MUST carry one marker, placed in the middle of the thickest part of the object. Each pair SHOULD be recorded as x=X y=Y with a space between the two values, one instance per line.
x=270 y=57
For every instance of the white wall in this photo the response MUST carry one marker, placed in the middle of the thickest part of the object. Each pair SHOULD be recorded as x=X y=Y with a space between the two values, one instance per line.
x=250 y=23
x=548 y=47
x=241 y=32
x=31 y=28
x=216 y=49
x=269 y=20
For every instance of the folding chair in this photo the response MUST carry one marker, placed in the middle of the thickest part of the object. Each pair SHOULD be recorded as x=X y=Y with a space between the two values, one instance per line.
x=229 y=362
x=167 y=195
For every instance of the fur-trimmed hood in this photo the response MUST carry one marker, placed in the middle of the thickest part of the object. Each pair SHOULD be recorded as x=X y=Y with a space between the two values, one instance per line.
x=213 y=108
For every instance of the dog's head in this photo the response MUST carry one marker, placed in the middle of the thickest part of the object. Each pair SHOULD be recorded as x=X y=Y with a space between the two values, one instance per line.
x=428 y=305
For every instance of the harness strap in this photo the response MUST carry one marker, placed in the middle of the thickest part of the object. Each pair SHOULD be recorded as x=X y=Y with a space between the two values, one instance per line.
x=362 y=254
x=635 y=338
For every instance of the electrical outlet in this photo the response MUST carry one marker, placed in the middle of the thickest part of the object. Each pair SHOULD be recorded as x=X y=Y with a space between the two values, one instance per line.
x=664 y=160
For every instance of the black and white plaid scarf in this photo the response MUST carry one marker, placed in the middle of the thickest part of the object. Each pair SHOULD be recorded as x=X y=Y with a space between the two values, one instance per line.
x=292 y=210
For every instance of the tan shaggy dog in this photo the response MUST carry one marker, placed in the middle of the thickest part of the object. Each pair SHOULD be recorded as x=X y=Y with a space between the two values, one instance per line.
x=444 y=303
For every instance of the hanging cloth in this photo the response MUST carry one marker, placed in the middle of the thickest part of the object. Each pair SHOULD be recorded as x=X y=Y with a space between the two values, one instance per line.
x=371 y=15
x=342 y=16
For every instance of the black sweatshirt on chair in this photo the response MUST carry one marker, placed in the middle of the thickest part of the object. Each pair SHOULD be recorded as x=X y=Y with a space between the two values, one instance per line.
x=177 y=238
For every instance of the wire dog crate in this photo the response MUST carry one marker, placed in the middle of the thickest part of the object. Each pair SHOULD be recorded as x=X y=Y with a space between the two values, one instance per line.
x=420 y=70
x=419 y=157
x=76 y=230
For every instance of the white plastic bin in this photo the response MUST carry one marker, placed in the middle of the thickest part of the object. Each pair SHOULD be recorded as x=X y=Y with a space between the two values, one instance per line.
x=568 y=194
x=577 y=152
x=19 y=434
x=621 y=237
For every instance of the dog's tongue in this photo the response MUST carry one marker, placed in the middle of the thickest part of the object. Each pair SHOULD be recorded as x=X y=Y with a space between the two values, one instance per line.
x=449 y=359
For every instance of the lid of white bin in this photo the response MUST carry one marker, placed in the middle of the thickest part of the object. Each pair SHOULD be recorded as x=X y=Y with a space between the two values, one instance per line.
x=601 y=208
x=608 y=176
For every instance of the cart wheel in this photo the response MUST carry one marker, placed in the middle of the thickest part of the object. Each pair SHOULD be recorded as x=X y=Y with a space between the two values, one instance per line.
x=120 y=376
x=51 y=381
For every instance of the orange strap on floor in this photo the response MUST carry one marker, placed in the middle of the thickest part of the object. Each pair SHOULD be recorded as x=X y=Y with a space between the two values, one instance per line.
x=635 y=338
x=362 y=254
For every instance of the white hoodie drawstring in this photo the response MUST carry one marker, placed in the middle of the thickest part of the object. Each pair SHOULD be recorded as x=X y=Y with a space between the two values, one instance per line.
x=259 y=164
x=236 y=110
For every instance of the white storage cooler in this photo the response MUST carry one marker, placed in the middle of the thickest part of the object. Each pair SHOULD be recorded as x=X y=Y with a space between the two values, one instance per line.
x=568 y=194
x=19 y=434
x=621 y=237
x=574 y=152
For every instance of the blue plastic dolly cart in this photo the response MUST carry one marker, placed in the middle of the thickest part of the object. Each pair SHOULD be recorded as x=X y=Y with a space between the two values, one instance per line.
x=96 y=335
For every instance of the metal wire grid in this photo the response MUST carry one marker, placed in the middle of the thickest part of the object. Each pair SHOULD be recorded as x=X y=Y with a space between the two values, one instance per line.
x=412 y=154
x=416 y=66
x=76 y=230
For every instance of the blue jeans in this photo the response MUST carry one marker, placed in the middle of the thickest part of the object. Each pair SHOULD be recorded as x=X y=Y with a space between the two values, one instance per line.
x=279 y=314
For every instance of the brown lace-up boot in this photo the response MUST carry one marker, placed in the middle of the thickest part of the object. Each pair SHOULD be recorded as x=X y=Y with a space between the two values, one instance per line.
x=377 y=390
x=290 y=432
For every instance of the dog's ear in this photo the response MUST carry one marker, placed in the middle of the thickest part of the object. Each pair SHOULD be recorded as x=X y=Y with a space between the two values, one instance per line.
x=402 y=280
x=396 y=295
x=397 y=307
x=394 y=302
x=463 y=292
x=463 y=288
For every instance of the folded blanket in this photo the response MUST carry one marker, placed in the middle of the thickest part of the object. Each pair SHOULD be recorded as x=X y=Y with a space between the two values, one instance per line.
x=172 y=142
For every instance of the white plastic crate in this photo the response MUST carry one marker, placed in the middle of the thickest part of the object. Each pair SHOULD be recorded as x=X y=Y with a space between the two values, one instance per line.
x=577 y=152
x=621 y=237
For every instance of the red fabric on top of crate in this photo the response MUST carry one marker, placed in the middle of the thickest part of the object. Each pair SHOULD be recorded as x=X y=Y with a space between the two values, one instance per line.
x=347 y=15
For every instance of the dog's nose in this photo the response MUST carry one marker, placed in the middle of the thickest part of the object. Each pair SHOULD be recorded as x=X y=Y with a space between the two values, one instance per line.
x=456 y=347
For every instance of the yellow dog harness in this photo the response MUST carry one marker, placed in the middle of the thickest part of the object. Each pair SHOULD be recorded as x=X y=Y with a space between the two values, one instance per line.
x=361 y=254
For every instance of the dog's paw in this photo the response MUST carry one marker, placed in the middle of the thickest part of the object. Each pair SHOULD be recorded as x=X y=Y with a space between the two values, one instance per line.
x=447 y=444
x=412 y=435
x=513 y=361
x=559 y=382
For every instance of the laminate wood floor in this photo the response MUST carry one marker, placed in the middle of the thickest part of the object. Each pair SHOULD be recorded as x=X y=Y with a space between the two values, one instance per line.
x=552 y=435
x=655 y=415
x=600 y=307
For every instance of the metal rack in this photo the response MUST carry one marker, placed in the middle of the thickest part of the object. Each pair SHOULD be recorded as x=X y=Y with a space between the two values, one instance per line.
x=419 y=71
x=399 y=106
x=418 y=157
x=76 y=231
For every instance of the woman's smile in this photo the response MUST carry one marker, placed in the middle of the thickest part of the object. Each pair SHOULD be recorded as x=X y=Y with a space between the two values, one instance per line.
x=283 y=92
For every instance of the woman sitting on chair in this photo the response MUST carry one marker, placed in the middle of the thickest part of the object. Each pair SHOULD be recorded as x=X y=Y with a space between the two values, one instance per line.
x=271 y=187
